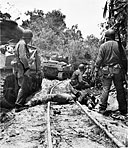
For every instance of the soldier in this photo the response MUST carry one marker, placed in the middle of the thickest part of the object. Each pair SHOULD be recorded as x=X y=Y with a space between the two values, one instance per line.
x=88 y=77
x=80 y=87
x=22 y=57
x=110 y=62
x=77 y=79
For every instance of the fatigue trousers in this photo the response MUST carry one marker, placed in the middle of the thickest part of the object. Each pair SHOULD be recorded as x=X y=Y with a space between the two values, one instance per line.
x=24 y=91
x=121 y=96
x=81 y=86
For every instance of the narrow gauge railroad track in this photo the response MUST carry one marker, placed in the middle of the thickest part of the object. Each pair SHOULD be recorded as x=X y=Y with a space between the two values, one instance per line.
x=66 y=125
x=71 y=126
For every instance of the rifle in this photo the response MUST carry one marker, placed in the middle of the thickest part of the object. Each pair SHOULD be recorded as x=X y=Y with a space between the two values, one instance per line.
x=30 y=46
x=123 y=57
x=34 y=56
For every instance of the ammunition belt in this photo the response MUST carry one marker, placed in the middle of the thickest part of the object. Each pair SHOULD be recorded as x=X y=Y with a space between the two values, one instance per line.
x=109 y=71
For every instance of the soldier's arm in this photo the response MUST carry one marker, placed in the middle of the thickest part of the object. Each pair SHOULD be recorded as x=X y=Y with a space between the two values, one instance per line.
x=100 y=58
x=99 y=61
x=22 y=51
x=73 y=75
x=80 y=78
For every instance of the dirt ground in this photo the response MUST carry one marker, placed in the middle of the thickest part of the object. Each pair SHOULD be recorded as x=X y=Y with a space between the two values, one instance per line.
x=72 y=128
x=28 y=128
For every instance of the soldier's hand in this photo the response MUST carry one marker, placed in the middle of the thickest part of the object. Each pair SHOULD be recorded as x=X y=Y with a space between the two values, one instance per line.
x=96 y=74
x=31 y=60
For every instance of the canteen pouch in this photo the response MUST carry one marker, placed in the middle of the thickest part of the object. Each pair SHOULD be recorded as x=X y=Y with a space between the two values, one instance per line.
x=105 y=70
x=108 y=71
x=116 y=69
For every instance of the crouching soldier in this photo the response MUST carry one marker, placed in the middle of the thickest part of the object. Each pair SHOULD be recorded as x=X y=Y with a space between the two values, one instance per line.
x=79 y=86
x=77 y=81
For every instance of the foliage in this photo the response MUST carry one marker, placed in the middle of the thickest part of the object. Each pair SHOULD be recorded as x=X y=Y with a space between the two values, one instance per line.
x=52 y=36
x=55 y=20
x=5 y=15
x=117 y=18
x=94 y=44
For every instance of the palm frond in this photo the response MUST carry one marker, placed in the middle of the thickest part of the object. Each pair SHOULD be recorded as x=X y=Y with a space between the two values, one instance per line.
x=105 y=10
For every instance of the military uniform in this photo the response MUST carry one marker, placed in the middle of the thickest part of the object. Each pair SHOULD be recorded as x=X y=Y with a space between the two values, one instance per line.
x=109 y=60
x=77 y=80
x=22 y=56
x=23 y=67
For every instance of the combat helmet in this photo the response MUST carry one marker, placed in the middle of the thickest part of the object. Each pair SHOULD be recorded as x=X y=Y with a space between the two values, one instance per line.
x=81 y=66
x=27 y=34
x=110 y=34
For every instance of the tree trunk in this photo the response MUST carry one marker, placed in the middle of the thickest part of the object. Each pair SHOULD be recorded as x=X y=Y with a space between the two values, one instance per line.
x=127 y=57
x=127 y=46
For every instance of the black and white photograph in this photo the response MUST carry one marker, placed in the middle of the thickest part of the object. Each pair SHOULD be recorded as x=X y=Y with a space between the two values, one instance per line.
x=63 y=74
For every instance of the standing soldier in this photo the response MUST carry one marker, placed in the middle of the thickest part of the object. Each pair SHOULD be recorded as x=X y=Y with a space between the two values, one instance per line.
x=110 y=61
x=22 y=56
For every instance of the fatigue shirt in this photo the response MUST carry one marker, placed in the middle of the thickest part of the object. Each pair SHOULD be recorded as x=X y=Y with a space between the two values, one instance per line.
x=108 y=54
x=77 y=75
x=21 y=47
x=21 y=55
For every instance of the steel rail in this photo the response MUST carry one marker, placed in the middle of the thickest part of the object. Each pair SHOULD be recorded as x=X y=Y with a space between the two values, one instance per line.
x=48 y=119
x=48 y=127
x=111 y=137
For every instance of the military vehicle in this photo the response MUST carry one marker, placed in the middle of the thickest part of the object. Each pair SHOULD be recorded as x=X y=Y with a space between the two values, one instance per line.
x=10 y=34
x=57 y=67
